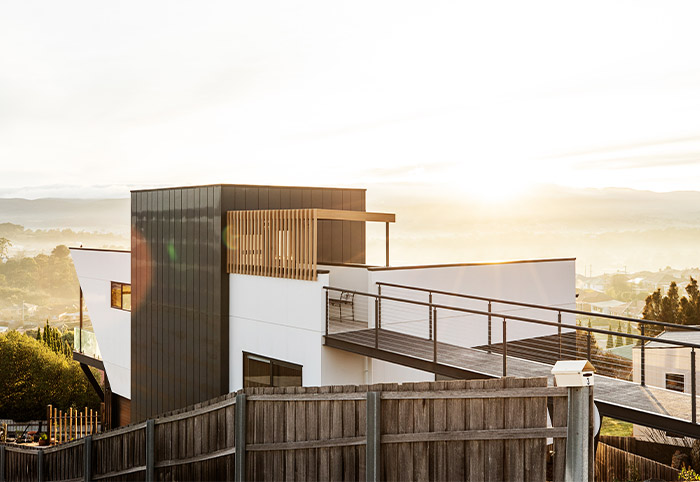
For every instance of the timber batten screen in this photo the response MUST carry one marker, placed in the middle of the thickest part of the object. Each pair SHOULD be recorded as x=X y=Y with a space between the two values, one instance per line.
x=280 y=243
x=283 y=243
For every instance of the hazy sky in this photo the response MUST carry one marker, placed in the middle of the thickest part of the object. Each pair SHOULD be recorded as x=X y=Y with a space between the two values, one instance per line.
x=486 y=98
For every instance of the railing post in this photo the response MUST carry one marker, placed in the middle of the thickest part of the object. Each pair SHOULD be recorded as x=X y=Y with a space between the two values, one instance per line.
x=376 y=324
x=373 y=447
x=328 y=313
x=693 y=389
x=489 y=329
x=379 y=306
x=588 y=345
x=40 y=465
x=240 y=433
x=505 y=349
x=430 y=315
x=150 y=450
x=643 y=368
x=559 y=331
x=87 y=458
x=435 y=336
x=3 y=463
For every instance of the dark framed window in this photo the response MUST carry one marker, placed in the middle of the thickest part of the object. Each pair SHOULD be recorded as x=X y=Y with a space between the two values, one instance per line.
x=675 y=381
x=121 y=296
x=260 y=371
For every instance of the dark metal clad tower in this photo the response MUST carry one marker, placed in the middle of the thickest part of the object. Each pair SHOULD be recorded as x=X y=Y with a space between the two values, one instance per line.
x=179 y=318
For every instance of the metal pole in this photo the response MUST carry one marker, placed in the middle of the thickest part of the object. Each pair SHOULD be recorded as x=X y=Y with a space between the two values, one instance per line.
x=693 y=390
x=435 y=324
x=578 y=435
x=505 y=349
x=430 y=316
x=80 y=335
x=3 y=462
x=387 y=244
x=239 y=438
x=373 y=447
x=588 y=345
x=87 y=458
x=376 y=324
x=150 y=450
x=379 y=306
x=328 y=314
x=489 y=330
x=40 y=465
x=559 y=332
x=643 y=367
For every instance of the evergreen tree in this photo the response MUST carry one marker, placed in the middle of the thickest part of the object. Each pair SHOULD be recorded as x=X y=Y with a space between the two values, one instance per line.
x=618 y=340
x=38 y=333
x=609 y=343
x=628 y=340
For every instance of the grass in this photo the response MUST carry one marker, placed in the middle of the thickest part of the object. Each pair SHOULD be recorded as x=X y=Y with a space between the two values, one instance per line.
x=618 y=428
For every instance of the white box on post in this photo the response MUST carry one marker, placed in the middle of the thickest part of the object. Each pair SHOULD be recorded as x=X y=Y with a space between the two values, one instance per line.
x=573 y=373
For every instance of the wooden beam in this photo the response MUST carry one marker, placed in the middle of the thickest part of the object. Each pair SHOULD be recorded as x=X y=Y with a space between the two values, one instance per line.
x=343 y=215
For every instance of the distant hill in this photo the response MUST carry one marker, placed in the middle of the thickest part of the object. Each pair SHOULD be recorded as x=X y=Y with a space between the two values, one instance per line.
x=610 y=229
x=107 y=215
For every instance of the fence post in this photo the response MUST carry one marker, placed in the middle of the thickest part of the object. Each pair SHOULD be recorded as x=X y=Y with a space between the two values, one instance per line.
x=40 y=466
x=239 y=474
x=693 y=388
x=373 y=447
x=150 y=450
x=642 y=347
x=578 y=436
x=87 y=458
x=3 y=463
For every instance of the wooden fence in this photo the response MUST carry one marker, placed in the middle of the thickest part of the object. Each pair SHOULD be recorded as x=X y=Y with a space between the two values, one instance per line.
x=612 y=463
x=71 y=425
x=458 y=430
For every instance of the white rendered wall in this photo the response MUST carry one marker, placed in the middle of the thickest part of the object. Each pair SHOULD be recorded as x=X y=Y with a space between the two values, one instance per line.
x=96 y=270
x=277 y=318
x=550 y=283
x=658 y=362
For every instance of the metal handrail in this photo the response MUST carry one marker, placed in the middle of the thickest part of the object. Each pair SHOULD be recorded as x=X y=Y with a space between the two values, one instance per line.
x=541 y=307
x=496 y=314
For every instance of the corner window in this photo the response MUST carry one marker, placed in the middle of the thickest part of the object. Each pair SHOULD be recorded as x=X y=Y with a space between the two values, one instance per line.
x=675 y=381
x=121 y=296
x=259 y=371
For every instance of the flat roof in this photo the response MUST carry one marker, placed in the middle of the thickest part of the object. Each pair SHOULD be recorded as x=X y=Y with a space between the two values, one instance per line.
x=101 y=249
x=486 y=263
x=249 y=185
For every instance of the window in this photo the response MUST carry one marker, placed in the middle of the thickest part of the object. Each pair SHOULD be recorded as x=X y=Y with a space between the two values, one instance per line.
x=121 y=296
x=259 y=371
x=675 y=381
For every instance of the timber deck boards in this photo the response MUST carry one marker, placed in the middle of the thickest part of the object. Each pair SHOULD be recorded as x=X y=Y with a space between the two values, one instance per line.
x=622 y=393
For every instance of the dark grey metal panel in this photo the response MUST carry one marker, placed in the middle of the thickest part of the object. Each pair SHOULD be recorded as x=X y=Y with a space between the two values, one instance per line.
x=274 y=199
x=336 y=229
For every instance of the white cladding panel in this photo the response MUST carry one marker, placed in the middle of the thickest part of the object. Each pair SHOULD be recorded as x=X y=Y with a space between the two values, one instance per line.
x=550 y=283
x=96 y=270
x=276 y=318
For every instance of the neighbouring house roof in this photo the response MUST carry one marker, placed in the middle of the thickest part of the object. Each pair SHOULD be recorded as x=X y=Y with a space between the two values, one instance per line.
x=682 y=335
x=592 y=296
x=608 y=304
x=623 y=351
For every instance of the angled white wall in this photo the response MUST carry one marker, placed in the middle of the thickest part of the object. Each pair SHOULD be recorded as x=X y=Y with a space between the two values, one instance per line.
x=96 y=270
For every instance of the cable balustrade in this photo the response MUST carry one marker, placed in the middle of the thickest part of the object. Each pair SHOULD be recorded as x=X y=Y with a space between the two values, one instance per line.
x=435 y=331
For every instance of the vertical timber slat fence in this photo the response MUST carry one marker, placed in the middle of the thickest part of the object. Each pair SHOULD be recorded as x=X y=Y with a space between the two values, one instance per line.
x=457 y=430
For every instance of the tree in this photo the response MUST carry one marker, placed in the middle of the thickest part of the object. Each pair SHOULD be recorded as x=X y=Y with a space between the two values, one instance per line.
x=5 y=245
x=673 y=308
x=32 y=377
x=609 y=343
